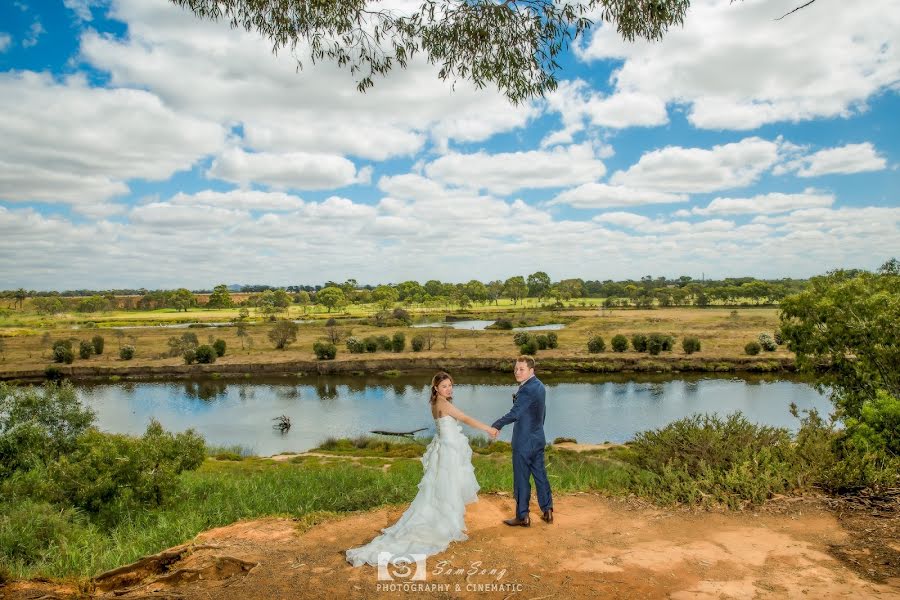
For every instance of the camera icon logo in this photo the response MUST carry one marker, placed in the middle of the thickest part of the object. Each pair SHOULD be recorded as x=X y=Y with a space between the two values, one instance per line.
x=400 y=566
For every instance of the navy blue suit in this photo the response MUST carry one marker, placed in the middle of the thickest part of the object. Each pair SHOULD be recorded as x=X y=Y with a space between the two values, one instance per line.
x=528 y=443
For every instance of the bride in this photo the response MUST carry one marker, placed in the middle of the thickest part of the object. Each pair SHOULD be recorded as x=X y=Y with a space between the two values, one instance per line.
x=435 y=517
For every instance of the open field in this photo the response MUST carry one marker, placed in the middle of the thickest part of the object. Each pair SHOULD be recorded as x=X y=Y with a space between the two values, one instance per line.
x=723 y=332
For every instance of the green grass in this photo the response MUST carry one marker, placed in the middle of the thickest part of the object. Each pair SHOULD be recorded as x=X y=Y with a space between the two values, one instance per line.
x=225 y=491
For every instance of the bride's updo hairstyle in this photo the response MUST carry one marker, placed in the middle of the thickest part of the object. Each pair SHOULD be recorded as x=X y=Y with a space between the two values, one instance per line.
x=436 y=381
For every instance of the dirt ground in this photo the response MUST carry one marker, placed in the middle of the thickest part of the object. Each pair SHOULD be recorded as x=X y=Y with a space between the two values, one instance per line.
x=597 y=548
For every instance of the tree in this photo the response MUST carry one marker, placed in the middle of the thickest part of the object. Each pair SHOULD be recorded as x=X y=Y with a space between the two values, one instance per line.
x=538 y=284
x=284 y=333
x=850 y=323
x=331 y=297
x=220 y=298
x=385 y=296
x=302 y=298
x=183 y=299
x=515 y=288
x=513 y=45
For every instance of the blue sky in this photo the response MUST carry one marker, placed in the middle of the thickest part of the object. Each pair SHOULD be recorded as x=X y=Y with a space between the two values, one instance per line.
x=143 y=147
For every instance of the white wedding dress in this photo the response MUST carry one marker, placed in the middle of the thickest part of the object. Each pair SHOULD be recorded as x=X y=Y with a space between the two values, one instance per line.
x=436 y=516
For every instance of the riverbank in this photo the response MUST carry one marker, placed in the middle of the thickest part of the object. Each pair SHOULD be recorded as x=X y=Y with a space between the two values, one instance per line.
x=633 y=363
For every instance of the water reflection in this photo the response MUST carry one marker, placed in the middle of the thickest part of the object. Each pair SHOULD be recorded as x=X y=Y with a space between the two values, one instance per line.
x=588 y=407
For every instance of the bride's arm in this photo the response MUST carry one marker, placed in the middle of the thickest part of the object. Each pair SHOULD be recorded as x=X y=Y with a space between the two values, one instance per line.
x=459 y=415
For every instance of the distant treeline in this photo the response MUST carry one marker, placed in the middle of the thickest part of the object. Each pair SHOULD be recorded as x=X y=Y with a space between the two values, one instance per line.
x=645 y=292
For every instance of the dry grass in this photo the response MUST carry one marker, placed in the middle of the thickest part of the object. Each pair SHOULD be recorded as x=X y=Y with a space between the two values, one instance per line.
x=722 y=336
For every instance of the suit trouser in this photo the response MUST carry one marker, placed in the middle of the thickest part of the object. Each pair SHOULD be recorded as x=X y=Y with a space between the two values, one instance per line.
x=526 y=466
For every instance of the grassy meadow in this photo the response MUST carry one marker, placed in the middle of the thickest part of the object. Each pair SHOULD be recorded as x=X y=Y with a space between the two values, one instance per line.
x=723 y=333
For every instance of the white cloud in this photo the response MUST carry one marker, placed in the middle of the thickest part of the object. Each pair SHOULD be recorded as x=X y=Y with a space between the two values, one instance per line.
x=507 y=172
x=736 y=67
x=766 y=203
x=5 y=41
x=577 y=104
x=34 y=32
x=696 y=170
x=318 y=109
x=241 y=200
x=81 y=8
x=294 y=170
x=69 y=142
x=602 y=195
x=852 y=158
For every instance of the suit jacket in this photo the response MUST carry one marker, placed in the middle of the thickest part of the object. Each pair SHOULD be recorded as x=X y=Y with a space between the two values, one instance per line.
x=528 y=413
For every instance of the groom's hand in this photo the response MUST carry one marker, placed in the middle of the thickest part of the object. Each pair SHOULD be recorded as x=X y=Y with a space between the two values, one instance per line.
x=493 y=432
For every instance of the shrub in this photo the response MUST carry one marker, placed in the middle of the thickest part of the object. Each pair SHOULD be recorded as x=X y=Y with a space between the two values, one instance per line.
x=779 y=337
x=355 y=345
x=658 y=342
x=767 y=342
x=190 y=357
x=384 y=342
x=619 y=343
x=62 y=352
x=179 y=344
x=206 y=354
x=219 y=346
x=596 y=344
x=703 y=459
x=752 y=348
x=126 y=352
x=418 y=343
x=402 y=315
x=504 y=324
x=398 y=342
x=552 y=340
x=283 y=333
x=371 y=343
x=325 y=350
x=639 y=342
x=530 y=346
x=690 y=345
x=98 y=342
x=53 y=373
x=543 y=342
x=85 y=349
x=521 y=337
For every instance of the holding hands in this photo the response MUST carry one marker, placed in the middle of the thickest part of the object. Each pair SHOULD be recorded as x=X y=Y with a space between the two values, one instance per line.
x=493 y=432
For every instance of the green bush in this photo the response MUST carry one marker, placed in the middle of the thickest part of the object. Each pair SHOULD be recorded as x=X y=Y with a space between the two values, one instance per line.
x=521 y=337
x=504 y=324
x=530 y=347
x=752 y=348
x=179 y=344
x=29 y=529
x=98 y=342
x=398 y=342
x=658 y=342
x=206 y=354
x=418 y=343
x=53 y=373
x=690 y=345
x=778 y=337
x=190 y=357
x=371 y=344
x=219 y=346
x=767 y=342
x=384 y=343
x=355 y=345
x=126 y=352
x=62 y=352
x=543 y=342
x=596 y=344
x=702 y=459
x=85 y=349
x=639 y=342
x=324 y=350
x=619 y=343
x=552 y=340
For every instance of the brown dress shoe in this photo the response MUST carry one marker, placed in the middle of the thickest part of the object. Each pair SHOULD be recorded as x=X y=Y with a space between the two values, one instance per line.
x=517 y=522
x=547 y=516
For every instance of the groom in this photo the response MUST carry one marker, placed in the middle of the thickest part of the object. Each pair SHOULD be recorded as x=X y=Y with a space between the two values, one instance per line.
x=528 y=443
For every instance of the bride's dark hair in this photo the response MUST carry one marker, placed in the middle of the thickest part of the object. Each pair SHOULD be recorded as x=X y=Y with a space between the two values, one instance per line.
x=436 y=381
